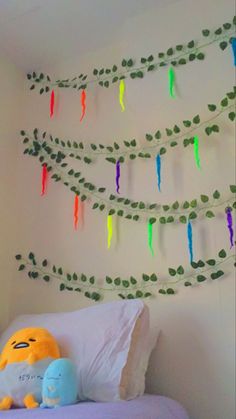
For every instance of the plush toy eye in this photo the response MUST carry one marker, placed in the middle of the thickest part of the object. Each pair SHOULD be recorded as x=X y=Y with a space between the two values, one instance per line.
x=13 y=343
x=32 y=340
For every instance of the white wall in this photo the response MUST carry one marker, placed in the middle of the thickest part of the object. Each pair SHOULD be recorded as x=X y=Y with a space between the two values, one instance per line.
x=10 y=106
x=194 y=359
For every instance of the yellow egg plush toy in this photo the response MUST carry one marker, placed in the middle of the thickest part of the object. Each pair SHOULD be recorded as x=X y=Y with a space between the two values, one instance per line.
x=23 y=361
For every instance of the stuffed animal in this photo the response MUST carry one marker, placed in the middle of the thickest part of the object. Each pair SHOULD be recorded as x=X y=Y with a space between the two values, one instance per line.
x=23 y=361
x=60 y=386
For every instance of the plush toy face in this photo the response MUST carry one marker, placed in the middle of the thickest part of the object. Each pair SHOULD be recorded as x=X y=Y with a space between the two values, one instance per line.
x=60 y=384
x=36 y=343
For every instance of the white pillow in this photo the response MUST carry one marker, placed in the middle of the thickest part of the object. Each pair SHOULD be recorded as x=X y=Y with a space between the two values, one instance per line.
x=99 y=340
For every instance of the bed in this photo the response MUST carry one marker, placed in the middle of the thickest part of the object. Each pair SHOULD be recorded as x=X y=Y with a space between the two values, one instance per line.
x=144 y=407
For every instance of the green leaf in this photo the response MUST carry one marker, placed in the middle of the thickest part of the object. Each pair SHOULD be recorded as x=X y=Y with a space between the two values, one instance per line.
x=179 y=47
x=187 y=123
x=158 y=135
x=124 y=63
x=194 y=265
x=211 y=262
x=149 y=137
x=208 y=130
x=117 y=281
x=204 y=198
x=180 y=270
x=201 y=278
x=111 y=160
x=165 y=207
x=161 y=291
x=125 y=283
x=139 y=294
x=130 y=62
x=216 y=195
x=210 y=214
x=170 y=51
x=215 y=128
x=92 y=280
x=173 y=143
x=150 y=58
x=153 y=278
x=222 y=254
x=193 y=203
x=212 y=107
x=75 y=277
x=187 y=284
x=151 y=67
x=175 y=205
x=31 y=256
x=45 y=262
x=162 y=220
x=133 y=280
x=182 y=61
x=162 y=150
x=183 y=219
x=21 y=267
x=169 y=132
x=172 y=271
x=46 y=278
x=200 y=263
x=227 y=25
x=62 y=287
x=18 y=257
x=176 y=129
x=232 y=116
x=111 y=212
x=223 y=45
x=145 y=277
x=233 y=188
x=196 y=119
x=170 y=291
x=186 y=205
x=200 y=56
x=192 y=215
x=218 y=31
x=192 y=57
x=191 y=44
x=170 y=219
x=108 y=280
x=224 y=102
x=152 y=220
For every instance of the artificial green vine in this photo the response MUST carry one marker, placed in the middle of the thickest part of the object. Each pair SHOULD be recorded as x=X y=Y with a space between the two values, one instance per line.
x=127 y=288
x=174 y=56
x=158 y=141
x=124 y=207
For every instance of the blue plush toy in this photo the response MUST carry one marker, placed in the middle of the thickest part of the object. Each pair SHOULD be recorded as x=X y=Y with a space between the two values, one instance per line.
x=60 y=385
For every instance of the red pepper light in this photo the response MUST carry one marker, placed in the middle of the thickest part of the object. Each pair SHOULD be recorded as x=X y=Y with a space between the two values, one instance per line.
x=52 y=103
x=76 y=211
x=44 y=179
x=83 y=104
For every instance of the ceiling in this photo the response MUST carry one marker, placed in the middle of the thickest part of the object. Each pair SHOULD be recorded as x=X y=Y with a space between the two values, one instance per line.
x=40 y=33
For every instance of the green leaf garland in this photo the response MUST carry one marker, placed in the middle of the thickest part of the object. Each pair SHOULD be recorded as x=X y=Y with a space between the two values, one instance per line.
x=136 y=69
x=126 y=288
x=157 y=142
